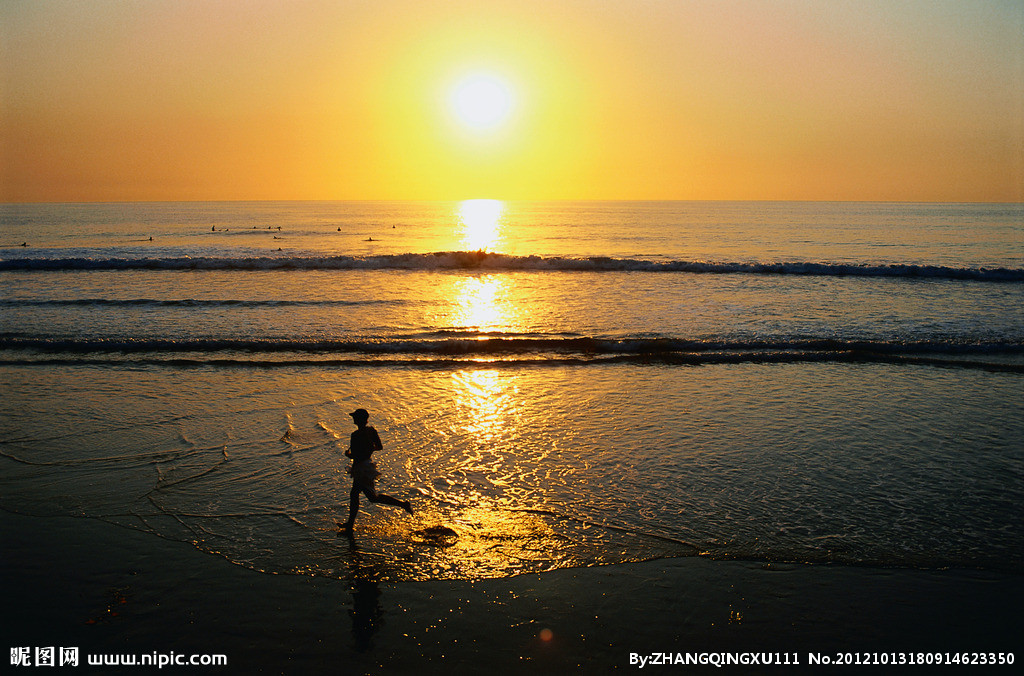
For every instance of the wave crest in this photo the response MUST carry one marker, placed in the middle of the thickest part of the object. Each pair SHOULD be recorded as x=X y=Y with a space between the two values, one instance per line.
x=491 y=344
x=482 y=260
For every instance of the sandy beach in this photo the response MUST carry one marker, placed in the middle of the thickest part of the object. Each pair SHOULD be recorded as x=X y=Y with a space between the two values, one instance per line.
x=110 y=590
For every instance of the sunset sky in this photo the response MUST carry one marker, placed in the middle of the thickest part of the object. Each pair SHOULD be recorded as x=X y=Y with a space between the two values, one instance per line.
x=512 y=99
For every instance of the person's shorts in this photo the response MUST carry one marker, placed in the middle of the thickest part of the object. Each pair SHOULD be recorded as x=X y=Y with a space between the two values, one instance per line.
x=364 y=474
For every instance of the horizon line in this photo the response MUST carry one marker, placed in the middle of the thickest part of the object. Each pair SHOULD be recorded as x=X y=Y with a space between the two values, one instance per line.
x=498 y=199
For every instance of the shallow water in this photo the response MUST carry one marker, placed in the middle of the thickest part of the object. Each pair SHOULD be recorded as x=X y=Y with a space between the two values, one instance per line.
x=551 y=408
x=534 y=468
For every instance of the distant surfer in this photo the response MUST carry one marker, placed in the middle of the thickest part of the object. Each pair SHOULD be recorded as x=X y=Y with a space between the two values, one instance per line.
x=363 y=443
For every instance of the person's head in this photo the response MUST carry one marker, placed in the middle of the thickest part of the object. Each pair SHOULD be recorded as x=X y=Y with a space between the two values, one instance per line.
x=360 y=416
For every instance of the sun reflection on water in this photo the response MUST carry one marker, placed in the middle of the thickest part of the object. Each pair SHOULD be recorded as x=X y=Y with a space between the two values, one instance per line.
x=481 y=223
x=479 y=303
x=487 y=397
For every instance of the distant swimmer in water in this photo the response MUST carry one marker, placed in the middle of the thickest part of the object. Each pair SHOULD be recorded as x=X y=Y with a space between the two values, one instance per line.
x=363 y=443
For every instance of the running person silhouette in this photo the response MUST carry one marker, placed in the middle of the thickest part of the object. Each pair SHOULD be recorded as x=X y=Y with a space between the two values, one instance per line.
x=363 y=443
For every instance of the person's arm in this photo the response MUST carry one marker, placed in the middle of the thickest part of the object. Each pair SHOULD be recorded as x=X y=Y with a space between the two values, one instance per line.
x=376 y=439
x=351 y=441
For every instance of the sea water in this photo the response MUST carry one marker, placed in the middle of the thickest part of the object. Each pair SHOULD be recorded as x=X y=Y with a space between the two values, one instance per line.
x=555 y=384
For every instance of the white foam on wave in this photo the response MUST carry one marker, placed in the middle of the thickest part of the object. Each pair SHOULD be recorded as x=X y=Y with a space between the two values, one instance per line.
x=509 y=344
x=481 y=260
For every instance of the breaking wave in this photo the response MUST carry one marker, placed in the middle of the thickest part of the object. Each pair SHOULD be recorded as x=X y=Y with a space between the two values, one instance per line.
x=188 y=303
x=470 y=348
x=481 y=260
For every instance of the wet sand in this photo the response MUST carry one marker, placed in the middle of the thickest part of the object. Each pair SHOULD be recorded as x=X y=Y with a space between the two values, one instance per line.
x=106 y=589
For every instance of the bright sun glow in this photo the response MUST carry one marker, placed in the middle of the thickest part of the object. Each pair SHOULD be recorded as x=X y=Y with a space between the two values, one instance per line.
x=481 y=223
x=481 y=101
x=480 y=304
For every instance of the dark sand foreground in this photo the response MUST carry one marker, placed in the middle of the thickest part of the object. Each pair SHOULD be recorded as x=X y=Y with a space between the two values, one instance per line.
x=104 y=589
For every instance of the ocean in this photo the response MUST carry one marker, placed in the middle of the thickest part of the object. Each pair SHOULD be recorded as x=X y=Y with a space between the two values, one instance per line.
x=557 y=385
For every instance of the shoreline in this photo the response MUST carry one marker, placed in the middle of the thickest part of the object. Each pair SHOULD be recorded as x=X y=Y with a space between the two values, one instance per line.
x=107 y=589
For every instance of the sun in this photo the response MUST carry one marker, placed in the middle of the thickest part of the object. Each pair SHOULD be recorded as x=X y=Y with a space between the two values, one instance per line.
x=481 y=101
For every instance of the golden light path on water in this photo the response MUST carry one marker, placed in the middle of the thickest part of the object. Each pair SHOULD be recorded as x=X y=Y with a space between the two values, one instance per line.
x=475 y=528
x=478 y=522
x=480 y=221
x=483 y=302
x=479 y=304
x=494 y=536
x=473 y=522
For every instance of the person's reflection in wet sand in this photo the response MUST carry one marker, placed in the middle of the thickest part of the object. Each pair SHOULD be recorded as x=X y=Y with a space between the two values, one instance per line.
x=366 y=613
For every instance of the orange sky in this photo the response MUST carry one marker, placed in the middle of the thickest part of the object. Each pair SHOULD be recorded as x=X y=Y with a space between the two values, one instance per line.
x=613 y=99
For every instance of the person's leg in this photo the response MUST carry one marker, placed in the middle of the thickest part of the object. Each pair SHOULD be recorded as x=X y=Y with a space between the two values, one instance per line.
x=388 y=500
x=353 y=507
